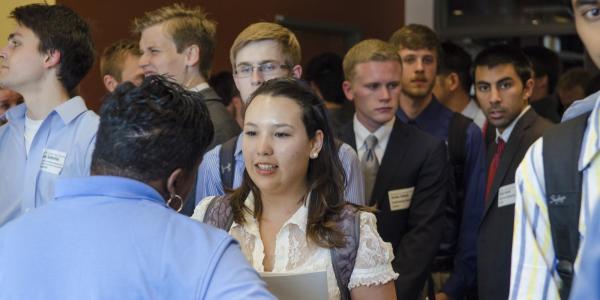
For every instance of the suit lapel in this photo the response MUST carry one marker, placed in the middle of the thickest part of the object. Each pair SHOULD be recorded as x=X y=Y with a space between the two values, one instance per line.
x=508 y=156
x=393 y=156
x=347 y=135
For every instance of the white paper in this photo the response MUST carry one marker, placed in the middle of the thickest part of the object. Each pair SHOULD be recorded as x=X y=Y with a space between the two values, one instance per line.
x=507 y=195
x=297 y=285
x=400 y=198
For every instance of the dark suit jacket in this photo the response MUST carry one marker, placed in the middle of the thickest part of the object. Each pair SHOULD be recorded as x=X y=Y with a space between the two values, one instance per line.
x=416 y=159
x=496 y=230
x=224 y=124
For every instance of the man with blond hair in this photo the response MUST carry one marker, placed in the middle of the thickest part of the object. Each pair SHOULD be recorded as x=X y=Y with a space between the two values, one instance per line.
x=261 y=52
x=404 y=168
x=454 y=268
x=180 y=42
x=119 y=63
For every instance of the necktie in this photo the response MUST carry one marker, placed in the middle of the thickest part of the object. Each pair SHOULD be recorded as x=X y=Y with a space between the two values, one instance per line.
x=494 y=166
x=369 y=165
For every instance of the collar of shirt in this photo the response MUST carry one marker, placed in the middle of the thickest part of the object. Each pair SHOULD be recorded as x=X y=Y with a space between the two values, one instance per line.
x=299 y=218
x=434 y=119
x=111 y=186
x=68 y=111
x=505 y=135
x=200 y=87
x=238 y=145
x=591 y=140
x=382 y=134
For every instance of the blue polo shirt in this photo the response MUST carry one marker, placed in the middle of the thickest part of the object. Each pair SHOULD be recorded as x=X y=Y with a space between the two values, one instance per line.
x=435 y=120
x=109 y=237
x=62 y=147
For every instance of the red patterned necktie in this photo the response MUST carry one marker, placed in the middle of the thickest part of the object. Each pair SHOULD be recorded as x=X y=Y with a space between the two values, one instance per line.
x=494 y=166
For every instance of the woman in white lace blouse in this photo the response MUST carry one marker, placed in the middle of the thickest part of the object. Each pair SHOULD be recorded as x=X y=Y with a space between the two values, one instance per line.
x=287 y=210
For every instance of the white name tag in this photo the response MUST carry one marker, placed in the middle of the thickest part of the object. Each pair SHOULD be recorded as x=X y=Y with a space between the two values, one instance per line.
x=400 y=199
x=507 y=195
x=53 y=161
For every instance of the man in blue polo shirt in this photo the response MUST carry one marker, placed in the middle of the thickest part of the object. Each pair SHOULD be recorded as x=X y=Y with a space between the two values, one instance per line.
x=116 y=234
x=454 y=269
x=51 y=135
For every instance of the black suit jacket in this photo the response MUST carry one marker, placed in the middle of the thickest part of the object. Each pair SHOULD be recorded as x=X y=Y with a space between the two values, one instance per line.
x=496 y=230
x=412 y=158
x=224 y=125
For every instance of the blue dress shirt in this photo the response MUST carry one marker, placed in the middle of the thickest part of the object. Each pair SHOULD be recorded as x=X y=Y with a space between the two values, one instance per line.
x=435 y=120
x=106 y=237
x=209 y=178
x=68 y=132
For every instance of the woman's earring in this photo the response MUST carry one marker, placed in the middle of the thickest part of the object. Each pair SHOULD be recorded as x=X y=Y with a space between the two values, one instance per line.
x=314 y=155
x=178 y=199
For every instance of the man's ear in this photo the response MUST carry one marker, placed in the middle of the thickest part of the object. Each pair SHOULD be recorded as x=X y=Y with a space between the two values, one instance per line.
x=528 y=88
x=110 y=83
x=347 y=88
x=297 y=71
x=52 y=58
x=192 y=55
x=453 y=81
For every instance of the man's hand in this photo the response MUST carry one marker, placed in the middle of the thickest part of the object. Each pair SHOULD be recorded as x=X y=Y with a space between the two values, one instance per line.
x=441 y=296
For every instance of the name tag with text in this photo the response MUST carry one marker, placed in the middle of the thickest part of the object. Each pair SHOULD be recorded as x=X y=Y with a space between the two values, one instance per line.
x=507 y=195
x=53 y=161
x=400 y=198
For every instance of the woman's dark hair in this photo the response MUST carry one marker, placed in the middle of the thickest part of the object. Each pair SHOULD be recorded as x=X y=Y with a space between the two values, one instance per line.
x=325 y=176
x=149 y=131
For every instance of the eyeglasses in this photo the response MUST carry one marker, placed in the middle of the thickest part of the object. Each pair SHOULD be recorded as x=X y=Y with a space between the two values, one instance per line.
x=266 y=69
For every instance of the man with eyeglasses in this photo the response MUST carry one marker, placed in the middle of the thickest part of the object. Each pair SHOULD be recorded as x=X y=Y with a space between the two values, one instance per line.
x=261 y=52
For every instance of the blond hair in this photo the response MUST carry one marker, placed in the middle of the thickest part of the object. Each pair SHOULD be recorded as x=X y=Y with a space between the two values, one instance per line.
x=290 y=47
x=366 y=51
x=187 y=26
x=114 y=56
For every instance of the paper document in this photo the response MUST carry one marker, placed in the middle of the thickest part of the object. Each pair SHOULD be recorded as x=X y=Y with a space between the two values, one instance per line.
x=296 y=286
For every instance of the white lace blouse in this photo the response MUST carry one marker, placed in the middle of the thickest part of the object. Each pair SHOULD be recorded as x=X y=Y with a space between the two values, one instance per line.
x=295 y=253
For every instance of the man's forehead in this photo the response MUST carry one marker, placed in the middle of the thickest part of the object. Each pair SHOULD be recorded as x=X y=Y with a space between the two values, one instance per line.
x=259 y=52
x=584 y=2
x=498 y=72
x=418 y=52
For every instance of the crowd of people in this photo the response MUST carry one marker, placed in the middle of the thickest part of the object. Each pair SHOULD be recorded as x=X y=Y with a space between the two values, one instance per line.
x=403 y=169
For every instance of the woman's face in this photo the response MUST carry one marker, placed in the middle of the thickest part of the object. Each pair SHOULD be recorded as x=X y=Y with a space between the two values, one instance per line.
x=276 y=147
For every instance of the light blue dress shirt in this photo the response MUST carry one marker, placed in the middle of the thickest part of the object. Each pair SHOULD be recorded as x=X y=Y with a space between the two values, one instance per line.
x=62 y=147
x=209 y=178
x=106 y=237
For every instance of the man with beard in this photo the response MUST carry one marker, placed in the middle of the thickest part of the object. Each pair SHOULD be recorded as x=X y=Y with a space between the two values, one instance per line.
x=454 y=267
x=503 y=85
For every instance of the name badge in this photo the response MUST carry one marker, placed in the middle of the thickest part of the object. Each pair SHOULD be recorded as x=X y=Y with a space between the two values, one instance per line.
x=53 y=161
x=507 y=195
x=400 y=198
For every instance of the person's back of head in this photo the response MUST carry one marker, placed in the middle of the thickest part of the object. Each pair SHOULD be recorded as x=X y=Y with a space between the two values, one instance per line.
x=114 y=62
x=186 y=27
x=456 y=60
x=546 y=68
x=326 y=73
x=148 y=132
x=572 y=85
x=60 y=29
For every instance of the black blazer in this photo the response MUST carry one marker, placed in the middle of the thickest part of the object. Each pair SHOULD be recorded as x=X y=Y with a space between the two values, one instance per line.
x=412 y=158
x=224 y=125
x=496 y=229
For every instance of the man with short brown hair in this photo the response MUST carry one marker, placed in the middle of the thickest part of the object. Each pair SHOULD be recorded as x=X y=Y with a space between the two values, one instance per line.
x=119 y=63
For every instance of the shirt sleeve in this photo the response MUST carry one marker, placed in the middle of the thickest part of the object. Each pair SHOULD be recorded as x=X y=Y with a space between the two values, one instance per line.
x=533 y=274
x=586 y=282
x=201 y=208
x=355 y=190
x=374 y=258
x=209 y=179
x=234 y=278
x=465 y=262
